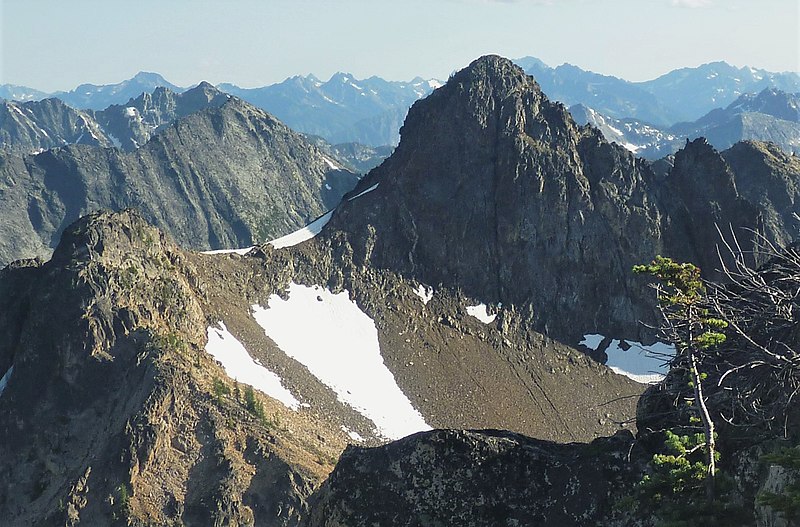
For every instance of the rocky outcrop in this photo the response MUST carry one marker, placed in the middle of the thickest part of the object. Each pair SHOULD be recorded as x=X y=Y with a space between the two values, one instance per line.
x=769 y=178
x=223 y=177
x=476 y=478
x=110 y=414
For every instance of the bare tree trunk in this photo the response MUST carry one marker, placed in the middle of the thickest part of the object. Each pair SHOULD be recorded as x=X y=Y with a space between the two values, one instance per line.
x=708 y=427
x=705 y=416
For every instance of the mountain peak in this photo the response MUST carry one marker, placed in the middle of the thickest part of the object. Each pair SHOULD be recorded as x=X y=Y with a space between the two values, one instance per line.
x=149 y=77
x=494 y=67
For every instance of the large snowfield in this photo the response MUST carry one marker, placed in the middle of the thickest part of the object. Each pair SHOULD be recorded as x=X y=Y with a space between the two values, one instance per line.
x=239 y=365
x=338 y=343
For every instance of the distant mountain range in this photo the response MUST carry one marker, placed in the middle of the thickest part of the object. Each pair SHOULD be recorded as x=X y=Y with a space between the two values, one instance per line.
x=342 y=110
x=34 y=126
x=771 y=116
x=681 y=95
x=362 y=117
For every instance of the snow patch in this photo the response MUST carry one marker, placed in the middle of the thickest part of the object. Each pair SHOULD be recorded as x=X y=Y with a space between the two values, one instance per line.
x=331 y=164
x=424 y=292
x=114 y=141
x=370 y=189
x=130 y=111
x=240 y=365
x=338 y=343
x=242 y=251
x=4 y=380
x=645 y=364
x=353 y=435
x=479 y=312
x=631 y=147
x=301 y=235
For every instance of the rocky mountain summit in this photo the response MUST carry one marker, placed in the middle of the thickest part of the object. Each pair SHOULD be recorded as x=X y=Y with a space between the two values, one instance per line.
x=111 y=409
x=541 y=212
x=229 y=175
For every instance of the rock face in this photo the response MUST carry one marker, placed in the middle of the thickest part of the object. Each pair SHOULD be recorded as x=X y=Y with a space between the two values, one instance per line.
x=476 y=478
x=227 y=176
x=35 y=126
x=541 y=214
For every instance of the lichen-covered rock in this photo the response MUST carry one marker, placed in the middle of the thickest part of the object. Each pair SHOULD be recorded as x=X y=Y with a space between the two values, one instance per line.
x=477 y=478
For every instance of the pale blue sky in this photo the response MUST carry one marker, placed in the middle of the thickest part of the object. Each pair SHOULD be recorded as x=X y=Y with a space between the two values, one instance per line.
x=57 y=44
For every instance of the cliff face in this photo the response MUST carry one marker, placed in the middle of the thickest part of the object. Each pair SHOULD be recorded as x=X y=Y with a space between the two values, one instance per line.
x=223 y=177
x=495 y=190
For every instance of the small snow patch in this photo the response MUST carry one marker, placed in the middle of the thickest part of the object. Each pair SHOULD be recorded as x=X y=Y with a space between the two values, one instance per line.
x=353 y=435
x=480 y=313
x=425 y=293
x=370 y=189
x=645 y=364
x=338 y=343
x=242 y=251
x=301 y=235
x=4 y=380
x=130 y=111
x=331 y=164
x=240 y=365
